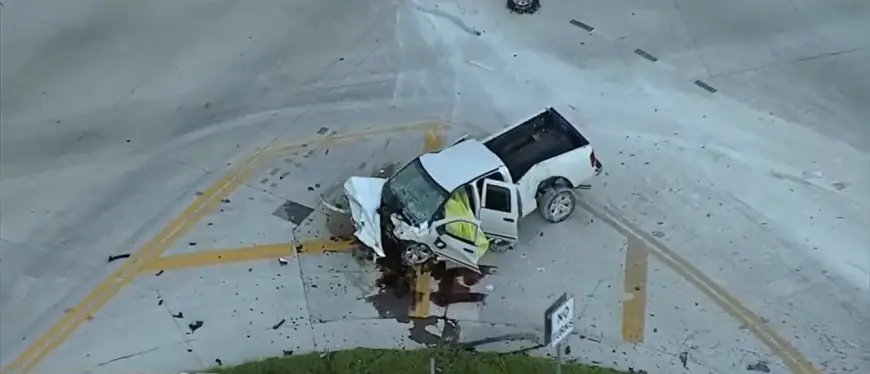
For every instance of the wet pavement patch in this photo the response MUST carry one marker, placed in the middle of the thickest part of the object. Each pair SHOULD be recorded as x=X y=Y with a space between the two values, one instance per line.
x=293 y=212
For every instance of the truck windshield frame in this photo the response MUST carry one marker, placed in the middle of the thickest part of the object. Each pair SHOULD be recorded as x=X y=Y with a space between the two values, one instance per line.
x=416 y=193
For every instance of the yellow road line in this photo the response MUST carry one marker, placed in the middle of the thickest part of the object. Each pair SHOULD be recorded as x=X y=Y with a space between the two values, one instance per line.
x=58 y=333
x=352 y=137
x=634 y=304
x=793 y=359
x=103 y=292
x=422 y=288
x=251 y=253
x=420 y=296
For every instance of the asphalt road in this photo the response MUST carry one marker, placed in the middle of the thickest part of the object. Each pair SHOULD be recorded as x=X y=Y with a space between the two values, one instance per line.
x=114 y=114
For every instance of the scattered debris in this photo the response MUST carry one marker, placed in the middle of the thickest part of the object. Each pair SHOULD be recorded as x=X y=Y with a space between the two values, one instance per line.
x=839 y=186
x=198 y=193
x=288 y=353
x=279 y=324
x=811 y=174
x=178 y=315
x=195 y=326
x=582 y=25
x=218 y=362
x=759 y=366
x=118 y=257
x=283 y=261
x=645 y=54
x=159 y=273
x=160 y=302
x=191 y=244
x=705 y=86
x=684 y=358
x=658 y=234
x=225 y=201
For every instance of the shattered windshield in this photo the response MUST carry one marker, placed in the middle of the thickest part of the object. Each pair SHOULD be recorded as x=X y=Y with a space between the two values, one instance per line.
x=416 y=193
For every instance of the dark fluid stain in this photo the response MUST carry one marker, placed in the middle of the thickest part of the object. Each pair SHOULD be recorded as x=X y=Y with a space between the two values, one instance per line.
x=338 y=224
x=451 y=290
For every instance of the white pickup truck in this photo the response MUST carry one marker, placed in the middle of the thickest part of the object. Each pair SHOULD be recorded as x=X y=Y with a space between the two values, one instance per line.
x=456 y=204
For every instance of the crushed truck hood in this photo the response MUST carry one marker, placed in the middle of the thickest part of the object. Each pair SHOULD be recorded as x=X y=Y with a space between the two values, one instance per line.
x=364 y=196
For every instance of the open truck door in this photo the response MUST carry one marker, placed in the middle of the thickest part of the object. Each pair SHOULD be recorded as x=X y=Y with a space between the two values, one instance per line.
x=499 y=210
x=460 y=240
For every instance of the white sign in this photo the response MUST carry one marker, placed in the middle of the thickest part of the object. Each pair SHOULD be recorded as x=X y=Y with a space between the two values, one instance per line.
x=560 y=320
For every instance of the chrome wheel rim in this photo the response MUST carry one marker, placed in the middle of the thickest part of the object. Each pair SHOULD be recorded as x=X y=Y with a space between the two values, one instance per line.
x=560 y=206
x=416 y=254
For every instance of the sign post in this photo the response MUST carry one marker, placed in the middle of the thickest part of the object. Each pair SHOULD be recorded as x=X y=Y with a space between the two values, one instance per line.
x=558 y=325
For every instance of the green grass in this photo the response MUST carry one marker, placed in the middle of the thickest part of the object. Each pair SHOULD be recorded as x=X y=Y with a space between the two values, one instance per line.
x=365 y=361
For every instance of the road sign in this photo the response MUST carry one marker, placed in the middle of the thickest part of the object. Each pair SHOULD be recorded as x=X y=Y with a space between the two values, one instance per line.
x=559 y=320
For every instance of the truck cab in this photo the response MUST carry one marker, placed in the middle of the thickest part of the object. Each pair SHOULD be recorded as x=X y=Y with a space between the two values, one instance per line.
x=456 y=204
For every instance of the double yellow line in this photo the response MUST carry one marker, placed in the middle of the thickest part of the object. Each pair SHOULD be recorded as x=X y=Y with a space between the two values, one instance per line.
x=420 y=303
x=150 y=254
x=54 y=337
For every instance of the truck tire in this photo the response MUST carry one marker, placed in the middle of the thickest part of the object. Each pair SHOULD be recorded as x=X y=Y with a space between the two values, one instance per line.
x=556 y=204
x=524 y=6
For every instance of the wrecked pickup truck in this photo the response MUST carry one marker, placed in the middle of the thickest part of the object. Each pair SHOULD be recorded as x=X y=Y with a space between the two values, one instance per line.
x=456 y=204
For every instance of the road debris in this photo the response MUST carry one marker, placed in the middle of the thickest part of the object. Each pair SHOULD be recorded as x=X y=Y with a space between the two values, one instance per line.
x=759 y=366
x=279 y=324
x=288 y=353
x=118 y=257
x=195 y=326
x=218 y=362
x=178 y=315
x=159 y=273
x=283 y=261
x=684 y=358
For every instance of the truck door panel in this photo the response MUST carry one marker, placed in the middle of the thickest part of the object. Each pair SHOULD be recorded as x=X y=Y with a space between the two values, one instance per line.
x=499 y=211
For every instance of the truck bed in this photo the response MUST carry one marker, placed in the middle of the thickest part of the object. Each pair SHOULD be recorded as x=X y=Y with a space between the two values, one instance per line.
x=539 y=138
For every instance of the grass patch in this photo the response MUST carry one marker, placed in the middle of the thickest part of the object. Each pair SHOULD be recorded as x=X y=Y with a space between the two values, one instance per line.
x=365 y=361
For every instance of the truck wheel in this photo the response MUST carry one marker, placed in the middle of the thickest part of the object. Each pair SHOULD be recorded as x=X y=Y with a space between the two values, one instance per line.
x=556 y=204
x=524 y=6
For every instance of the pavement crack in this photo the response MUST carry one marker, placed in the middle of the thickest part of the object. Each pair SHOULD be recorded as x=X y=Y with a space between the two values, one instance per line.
x=124 y=357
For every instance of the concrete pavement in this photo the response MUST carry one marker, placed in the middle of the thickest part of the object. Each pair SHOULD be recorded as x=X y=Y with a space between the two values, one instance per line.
x=124 y=124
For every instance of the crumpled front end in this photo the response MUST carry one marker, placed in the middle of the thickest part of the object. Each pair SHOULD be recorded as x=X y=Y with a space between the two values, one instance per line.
x=364 y=197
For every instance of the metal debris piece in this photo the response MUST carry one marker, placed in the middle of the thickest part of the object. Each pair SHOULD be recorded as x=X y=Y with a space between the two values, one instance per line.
x=279 y=324
x=684 y=358
x=811 y=174
x=283 y=261
x=118 y=257
x=759 y=366
x=178 y=315
x=159 y=273
x=195 y=326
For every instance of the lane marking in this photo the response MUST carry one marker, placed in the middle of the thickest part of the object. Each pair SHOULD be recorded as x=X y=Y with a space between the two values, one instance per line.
x=57 y=334
x=635 y=286
x=793 y=359
x=356 y=136
x=420 y=303
x=245 y=254
x=49 y=341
